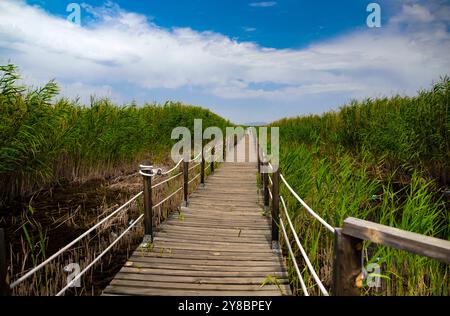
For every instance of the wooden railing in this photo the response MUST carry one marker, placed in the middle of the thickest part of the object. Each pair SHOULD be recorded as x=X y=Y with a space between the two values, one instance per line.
x=348 y=240
x=348 y=249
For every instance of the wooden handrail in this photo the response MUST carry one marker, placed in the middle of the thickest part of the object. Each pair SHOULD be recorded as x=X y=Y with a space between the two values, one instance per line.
x=431 y=247
x=348 y=245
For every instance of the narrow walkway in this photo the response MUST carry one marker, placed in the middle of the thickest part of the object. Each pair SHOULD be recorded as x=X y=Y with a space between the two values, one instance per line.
x=219 y=245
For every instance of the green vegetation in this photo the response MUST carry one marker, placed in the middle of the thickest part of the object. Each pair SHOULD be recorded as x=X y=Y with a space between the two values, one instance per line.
x=385 y=160
x=44 y=141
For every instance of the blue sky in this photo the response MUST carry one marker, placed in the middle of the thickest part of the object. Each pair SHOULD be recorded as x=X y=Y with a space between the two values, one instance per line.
x=246 y=60
x=278 y=24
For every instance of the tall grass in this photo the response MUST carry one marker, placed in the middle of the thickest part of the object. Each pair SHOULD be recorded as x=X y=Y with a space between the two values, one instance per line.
x=383 y=160
x=44 y=140
x=406 y=132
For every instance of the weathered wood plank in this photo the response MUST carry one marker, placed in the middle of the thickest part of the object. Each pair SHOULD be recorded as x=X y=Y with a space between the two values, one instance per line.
x=205 y=256
x=195 y=262
x=210 y=253
x=434 y=248
x=193 y=273
x=175 y=266
x=204 y=287
x=196 y=280
x=123 y=290
x=214 y=242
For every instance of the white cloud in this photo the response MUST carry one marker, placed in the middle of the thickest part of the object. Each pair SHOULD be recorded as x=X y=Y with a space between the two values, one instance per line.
x=249 y=29
x=263 y=4
x=122 y=47
x=414 y=13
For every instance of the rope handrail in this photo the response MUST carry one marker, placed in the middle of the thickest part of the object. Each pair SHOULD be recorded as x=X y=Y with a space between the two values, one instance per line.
x=194 y=166
x=314 y=214
x=302 y=250
x=56 y=254
x=167 y=180
x=168 y=197
x=174 y=168
x=291 y=253
x=194 y=178
x=196 y=157
x=79 y=275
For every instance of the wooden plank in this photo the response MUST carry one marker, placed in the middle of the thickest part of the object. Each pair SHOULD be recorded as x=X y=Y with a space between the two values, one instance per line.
x=225 y=216
x=219 y=248
x=219 y=274
x=123 y=290
x=209 y=252
x=235 y=210
x=196 y=280
x=431 y=247
x=227 y=219
x=222 y=231
x=265 y=270
x=214 y=242
x=205 y=255
x=250 y=227
x=238 y=230
x=195 y=237
x=196 y=262
x=203 y=287
x=250 y=224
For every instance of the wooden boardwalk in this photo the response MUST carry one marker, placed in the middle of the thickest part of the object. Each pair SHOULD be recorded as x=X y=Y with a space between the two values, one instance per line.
x=219 y=245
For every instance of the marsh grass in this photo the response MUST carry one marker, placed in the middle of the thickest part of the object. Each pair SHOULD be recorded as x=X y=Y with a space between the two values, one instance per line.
x=45 y=140
x=384 y=160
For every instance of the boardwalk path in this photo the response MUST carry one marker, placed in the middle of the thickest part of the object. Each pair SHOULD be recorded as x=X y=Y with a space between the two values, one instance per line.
x=218 y=245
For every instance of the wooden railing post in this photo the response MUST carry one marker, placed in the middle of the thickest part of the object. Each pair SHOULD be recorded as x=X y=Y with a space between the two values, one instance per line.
x=224 y=149
x=346 y=264
x=275 y=208
x=202 y=169
x=186 y=181
x=213 y=157
x=266 y=186
x=4 y=286
x=148 y=201
x=259 y=161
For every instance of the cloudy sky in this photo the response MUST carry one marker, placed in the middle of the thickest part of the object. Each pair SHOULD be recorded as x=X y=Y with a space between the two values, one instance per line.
x=246 y=60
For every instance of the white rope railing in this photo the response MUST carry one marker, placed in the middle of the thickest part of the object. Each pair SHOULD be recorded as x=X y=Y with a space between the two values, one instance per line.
x=168 y=197
x=303 y=252
x=320 y=219
x=196 y=157
x=42 y=264
x=167 y=180
x=194 y=166
x=174 y=168
x=291 y=253
x=79 y=275
x=194 y=178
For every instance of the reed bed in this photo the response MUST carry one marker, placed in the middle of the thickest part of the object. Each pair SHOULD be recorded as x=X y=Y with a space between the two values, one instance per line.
x=385 y=160
x=46 y=141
